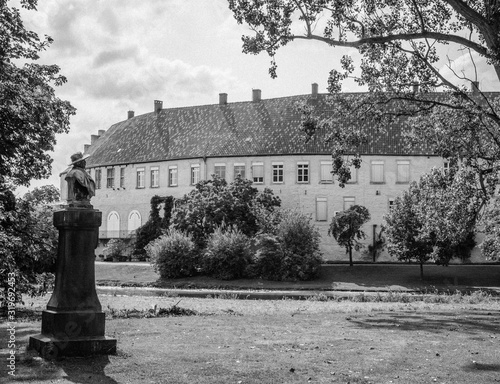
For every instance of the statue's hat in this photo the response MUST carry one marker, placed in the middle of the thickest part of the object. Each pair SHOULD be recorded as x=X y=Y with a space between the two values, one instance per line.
x=75 y=158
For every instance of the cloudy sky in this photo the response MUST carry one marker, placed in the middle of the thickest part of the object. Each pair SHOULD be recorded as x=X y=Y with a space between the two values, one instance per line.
x=121 y=55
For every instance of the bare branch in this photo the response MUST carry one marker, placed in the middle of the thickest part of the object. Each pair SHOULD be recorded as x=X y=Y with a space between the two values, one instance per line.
x=391 y=38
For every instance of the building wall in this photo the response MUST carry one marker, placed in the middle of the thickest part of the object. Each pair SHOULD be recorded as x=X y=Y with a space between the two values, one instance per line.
x=307 y=196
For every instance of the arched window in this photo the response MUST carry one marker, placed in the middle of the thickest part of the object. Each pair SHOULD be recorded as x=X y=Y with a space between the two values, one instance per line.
x=113 y=225
x=134 y=221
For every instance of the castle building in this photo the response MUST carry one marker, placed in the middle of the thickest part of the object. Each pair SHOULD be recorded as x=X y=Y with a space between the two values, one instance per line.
x=167 y=151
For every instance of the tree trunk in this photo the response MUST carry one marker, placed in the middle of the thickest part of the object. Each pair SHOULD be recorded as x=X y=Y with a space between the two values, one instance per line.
x=350 y=256
x=421 y=270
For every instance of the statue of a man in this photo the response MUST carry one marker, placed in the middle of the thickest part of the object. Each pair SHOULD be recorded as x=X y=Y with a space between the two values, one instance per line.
x=81 y=187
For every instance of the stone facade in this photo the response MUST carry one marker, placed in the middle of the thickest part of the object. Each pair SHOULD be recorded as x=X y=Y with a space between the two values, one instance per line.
x=122 y=204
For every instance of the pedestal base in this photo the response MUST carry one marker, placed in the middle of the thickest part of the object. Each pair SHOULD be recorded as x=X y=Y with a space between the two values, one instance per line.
x=51 y=348
x=72 y=333
x=72 y=324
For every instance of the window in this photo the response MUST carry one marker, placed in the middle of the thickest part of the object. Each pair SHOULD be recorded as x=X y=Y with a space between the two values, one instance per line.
x=403 y=175
x=220 y=170
x=302 y=172
x=239 y=169
x=140 y=178
x=155 y=177
x=113 y=225
x=326 y=172
x=195 y=174
x=277 y=172
x=446 y=167
x=172 y=176
x=377 y=175
x=122 y=177
x=354 y=175
x=110 y=178
x=321 y=209
x=258 y=173
x=348 y=202
x=134 y=221
x=391 y=203
x=98 y=176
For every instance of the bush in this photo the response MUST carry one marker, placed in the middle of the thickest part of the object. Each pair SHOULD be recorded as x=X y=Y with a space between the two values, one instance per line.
x=116 y=249
x=214 y=203
x=292 y=253
x=173 y=255
x=227 y=255
x=269 y=257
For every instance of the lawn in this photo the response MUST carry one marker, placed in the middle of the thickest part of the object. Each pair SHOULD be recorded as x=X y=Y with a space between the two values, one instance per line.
x=397 y=337
x=360 y=277
x=243 y=341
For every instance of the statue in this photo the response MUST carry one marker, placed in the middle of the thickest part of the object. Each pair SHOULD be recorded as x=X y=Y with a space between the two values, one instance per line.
x=81 y=186
x=74 y=323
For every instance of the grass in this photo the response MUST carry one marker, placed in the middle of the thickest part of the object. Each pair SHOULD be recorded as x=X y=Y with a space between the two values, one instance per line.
x=361 y=277
x=391 y=329
x=287 y=341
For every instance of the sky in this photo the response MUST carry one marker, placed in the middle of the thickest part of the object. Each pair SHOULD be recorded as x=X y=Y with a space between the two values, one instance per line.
x=121 y=55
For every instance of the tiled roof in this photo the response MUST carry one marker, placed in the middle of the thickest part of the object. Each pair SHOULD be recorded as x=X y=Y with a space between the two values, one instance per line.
x=266 y=127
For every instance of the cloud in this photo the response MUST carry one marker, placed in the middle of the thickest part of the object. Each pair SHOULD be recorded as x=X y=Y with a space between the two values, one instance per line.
x=112 y=56
x=156 y=78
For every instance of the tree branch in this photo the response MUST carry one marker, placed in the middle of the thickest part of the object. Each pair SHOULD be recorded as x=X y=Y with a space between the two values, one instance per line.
x=391 y=38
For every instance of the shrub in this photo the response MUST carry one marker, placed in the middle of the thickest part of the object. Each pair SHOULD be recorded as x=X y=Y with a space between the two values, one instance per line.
x=227 y=255
x=116 y=249
x=269 y=257
x=292 y=253
x=173 y=255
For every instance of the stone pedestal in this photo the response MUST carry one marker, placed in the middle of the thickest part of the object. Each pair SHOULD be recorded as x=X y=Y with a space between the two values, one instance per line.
x=74 y=324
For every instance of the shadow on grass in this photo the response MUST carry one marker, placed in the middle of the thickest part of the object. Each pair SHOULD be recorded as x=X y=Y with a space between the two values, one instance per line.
x=29 y=366
x=470 y=322
x=76 y=370
x=359 y=277
x=481 y=367
x=86 y=370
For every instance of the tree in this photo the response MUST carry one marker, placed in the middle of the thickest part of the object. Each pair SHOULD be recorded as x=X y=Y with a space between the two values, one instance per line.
x=30 y=117
x=214 y=202
x=435 y=218
x=156 y=225
x=346 y=228
x=28 y=241
x=490 y=246
x=30 y=113
x=398 y=44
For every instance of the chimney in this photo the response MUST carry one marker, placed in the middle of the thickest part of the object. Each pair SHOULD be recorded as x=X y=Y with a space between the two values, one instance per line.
x=256 y=95
x=474 y=87
x=158 y=106
x=86 y=148
x=93 y=139
x=222 y=98
x=130 y=114
x=101 y=132
x=314 y=91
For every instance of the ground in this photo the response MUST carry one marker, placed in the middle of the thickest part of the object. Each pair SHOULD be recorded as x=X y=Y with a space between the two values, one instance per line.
x=339 y=277
x=394 y=338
